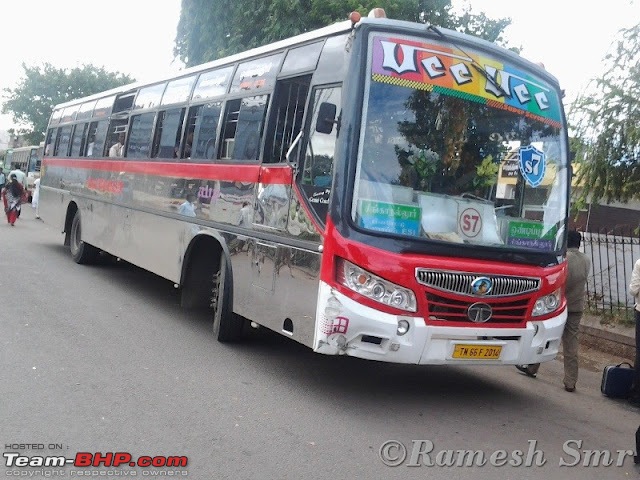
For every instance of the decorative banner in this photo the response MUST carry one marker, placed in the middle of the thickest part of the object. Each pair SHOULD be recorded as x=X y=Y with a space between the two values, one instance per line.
x=431 y=66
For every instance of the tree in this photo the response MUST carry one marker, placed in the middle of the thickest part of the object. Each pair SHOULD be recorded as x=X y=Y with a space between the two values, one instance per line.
x=42 y=87
x=607 y=125
x=211 y=29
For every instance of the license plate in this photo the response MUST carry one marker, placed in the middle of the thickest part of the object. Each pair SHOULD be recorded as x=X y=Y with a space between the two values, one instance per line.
x=477 y=352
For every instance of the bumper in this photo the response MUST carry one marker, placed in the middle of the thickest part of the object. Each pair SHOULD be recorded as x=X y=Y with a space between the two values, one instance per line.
x=364 y=332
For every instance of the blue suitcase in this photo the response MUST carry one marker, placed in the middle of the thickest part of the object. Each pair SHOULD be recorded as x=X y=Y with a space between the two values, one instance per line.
x=617 y=380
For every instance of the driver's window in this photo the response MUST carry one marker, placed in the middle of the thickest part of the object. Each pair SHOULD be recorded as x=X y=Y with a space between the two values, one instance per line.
x=318 y=161
x=317 y=170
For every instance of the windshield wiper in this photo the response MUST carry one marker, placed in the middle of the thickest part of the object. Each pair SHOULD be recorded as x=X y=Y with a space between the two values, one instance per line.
x=474 y=64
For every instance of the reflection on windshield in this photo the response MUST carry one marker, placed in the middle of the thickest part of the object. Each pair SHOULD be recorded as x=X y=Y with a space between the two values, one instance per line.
x=448 y=168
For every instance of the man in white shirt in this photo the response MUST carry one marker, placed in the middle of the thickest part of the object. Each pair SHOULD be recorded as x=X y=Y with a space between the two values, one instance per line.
x=117 y=150
x=20 y=175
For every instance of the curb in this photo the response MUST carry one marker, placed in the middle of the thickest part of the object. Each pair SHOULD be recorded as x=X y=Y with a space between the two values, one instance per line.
x=617 y=345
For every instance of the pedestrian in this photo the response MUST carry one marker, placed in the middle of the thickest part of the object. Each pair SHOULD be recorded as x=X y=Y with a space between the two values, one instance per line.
x=36 y=197
x=634 y=289
x=20 y=175
x=578 y=266
x=3 y=179
x=12 y=197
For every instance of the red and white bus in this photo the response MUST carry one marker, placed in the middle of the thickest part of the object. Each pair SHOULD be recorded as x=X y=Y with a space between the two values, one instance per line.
x=376 y=188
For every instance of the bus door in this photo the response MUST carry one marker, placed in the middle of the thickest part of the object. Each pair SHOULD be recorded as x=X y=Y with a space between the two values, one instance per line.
x=274 y=190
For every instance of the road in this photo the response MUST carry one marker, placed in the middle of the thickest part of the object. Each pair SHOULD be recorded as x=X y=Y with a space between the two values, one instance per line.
x=102 y=359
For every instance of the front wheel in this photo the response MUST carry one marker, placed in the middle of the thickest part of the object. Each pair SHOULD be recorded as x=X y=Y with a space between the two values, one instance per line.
x=81 y=252
x=227 y=326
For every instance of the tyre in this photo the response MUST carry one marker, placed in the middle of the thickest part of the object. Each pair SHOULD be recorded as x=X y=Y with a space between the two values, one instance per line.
x=227 y=326
x=81 y=252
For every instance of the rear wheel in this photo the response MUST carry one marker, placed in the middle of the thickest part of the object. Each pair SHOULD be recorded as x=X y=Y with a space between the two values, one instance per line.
x=227 y=326
x=80 y=252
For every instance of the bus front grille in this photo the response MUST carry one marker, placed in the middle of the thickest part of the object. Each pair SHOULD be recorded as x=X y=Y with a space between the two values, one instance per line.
x=461 y=283
x=451 y=310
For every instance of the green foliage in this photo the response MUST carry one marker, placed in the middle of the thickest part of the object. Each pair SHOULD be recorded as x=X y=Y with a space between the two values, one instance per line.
x=607 y=122
x=486 y=173
x=42 y=87
x=212 y=29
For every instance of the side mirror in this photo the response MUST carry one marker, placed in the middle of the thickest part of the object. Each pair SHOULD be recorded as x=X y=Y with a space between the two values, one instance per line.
x=326 y=118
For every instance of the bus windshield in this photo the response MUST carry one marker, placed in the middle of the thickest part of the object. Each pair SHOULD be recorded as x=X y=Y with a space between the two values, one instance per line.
x=450 y=155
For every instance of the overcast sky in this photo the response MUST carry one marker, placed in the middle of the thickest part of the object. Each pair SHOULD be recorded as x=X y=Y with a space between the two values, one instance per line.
x=136 y=37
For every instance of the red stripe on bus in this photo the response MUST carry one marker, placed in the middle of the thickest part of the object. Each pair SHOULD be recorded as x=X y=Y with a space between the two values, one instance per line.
x=206 y=171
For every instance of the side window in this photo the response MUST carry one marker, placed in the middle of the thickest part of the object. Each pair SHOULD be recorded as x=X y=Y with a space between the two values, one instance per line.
x=288 y=111
x=317 y=170
x=242 y=128
x=49 y=143
x=166 y=142
x=77 y=143
x=62 y=142
x=96 y=138
x=318 y=160
x=139 y=145
x=117 y=135
x=202 y=128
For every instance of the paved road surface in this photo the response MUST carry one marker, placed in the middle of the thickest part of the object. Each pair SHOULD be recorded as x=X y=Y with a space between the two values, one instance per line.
x=102 y=359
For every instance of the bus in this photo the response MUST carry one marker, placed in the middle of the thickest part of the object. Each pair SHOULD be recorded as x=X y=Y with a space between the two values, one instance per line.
x=29 y=160
x=376 y=188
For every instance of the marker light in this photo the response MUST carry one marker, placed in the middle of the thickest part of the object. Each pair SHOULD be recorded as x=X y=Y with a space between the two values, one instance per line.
x=403 y=327
x=371 y=286
x=355 y=17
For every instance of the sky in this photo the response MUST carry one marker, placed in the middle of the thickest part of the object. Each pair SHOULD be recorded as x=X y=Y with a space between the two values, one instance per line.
x=137 y=37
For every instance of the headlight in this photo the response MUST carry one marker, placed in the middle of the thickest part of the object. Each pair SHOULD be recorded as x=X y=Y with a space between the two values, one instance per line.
x=371 y=286
x=547 y=304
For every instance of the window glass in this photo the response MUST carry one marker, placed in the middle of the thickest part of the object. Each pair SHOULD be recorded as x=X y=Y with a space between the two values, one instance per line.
x=202 y=128
x=69 y=114
x=168 y=133
x=103 y=107
x=287 y=113
x=212 y=84
x=149 y=97
x=50 y=141
x=62 y=142
x=140 y=136
x=302 y=59
x=77 y=143
x=86 y=109
x=96 y=138
x=178 y=90
x=317 y=168
x=243 y=128
x=257 y=74
x=55 y=116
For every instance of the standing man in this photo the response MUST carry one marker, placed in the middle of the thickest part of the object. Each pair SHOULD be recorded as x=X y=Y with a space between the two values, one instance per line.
x=20 y=175
x=634 y=289
x=578 y=266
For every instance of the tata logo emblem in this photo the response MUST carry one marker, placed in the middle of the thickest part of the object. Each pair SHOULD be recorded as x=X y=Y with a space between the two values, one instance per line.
x=481 y=286
x=479 y=313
